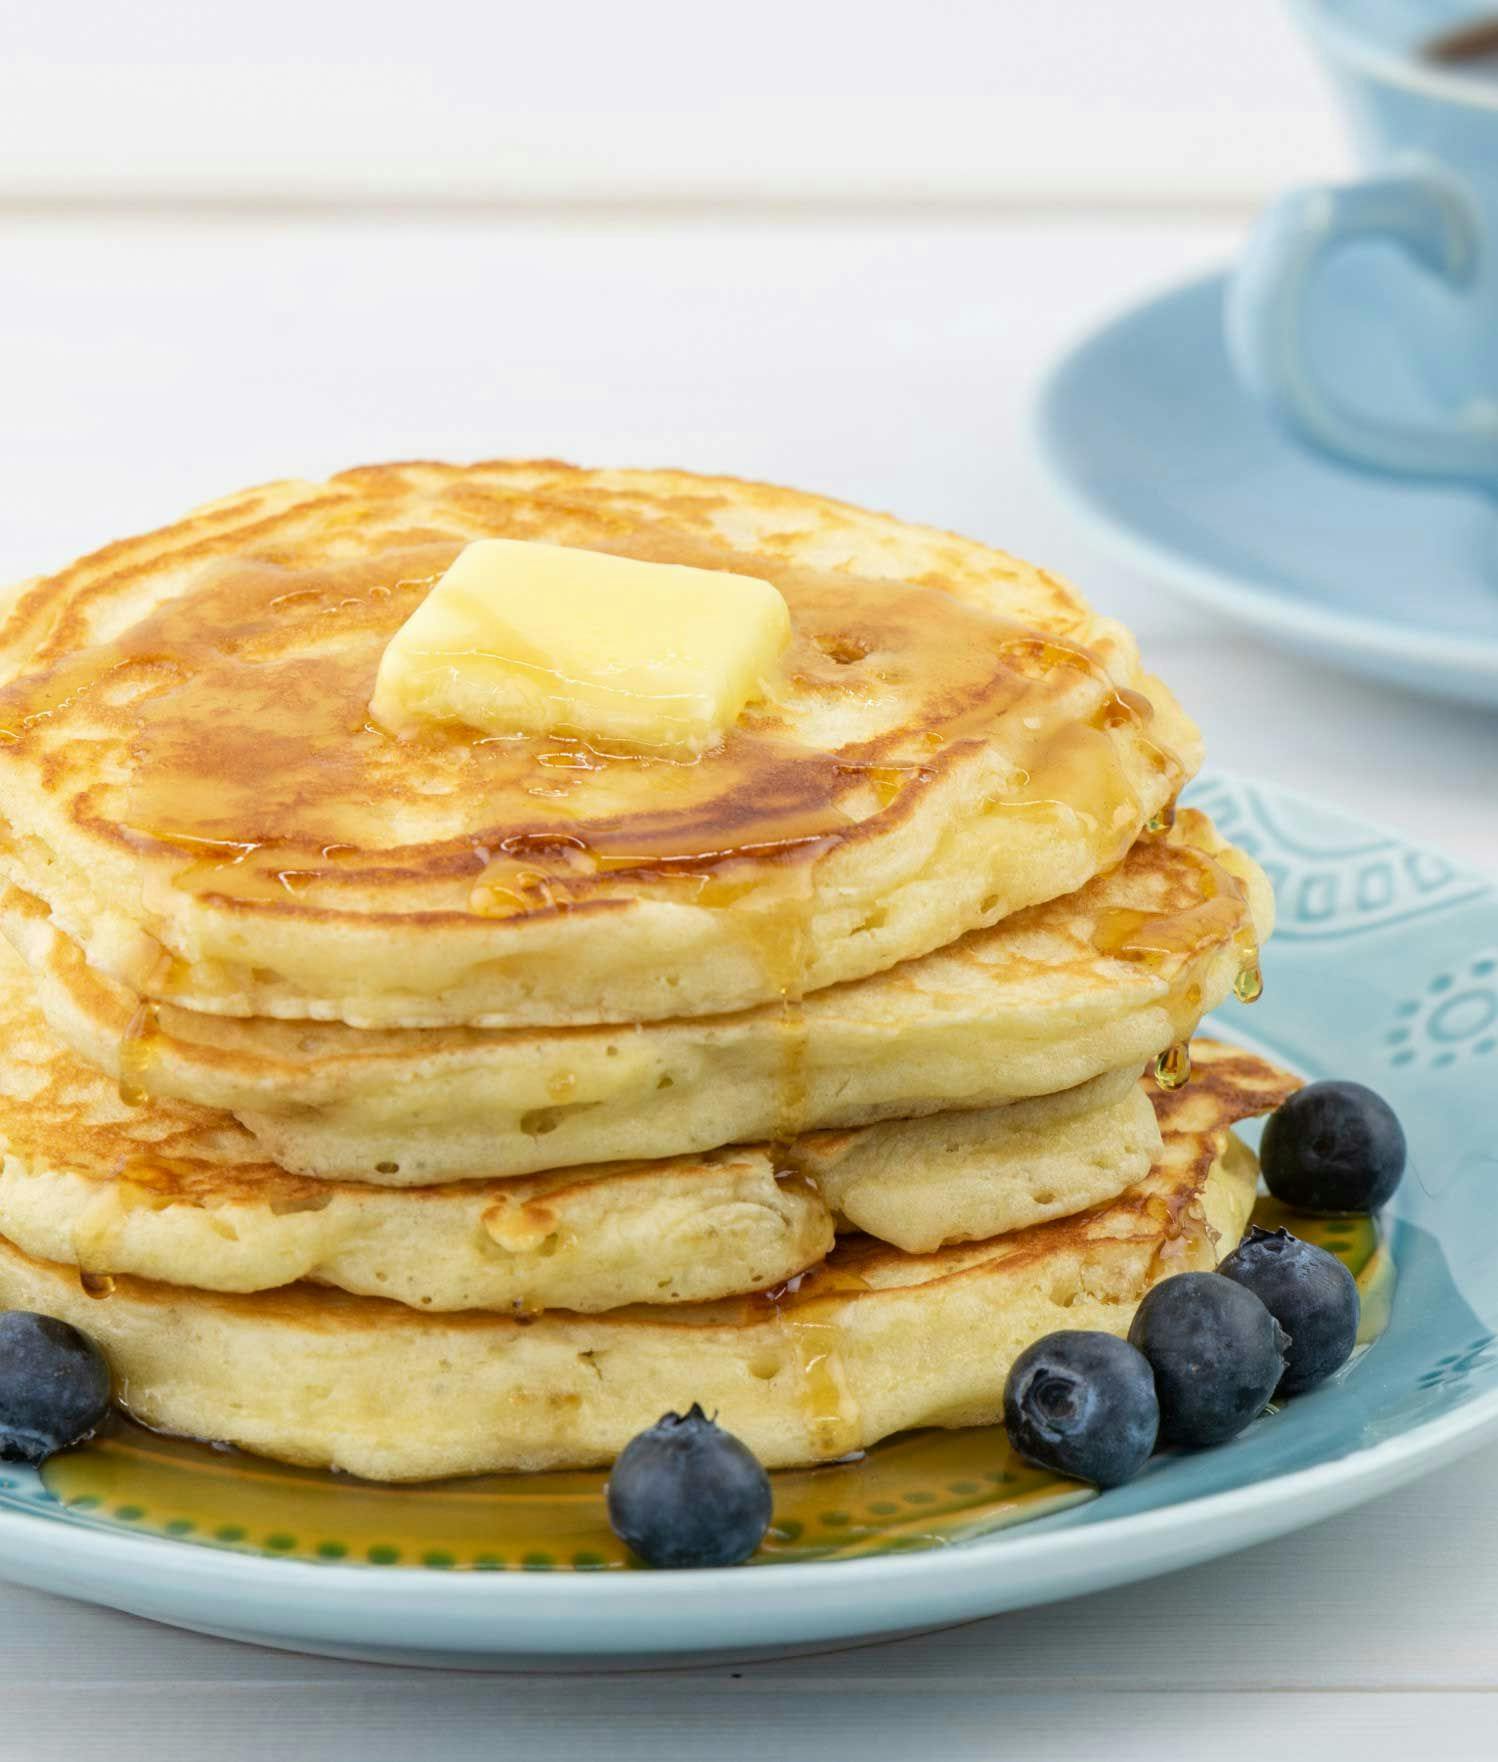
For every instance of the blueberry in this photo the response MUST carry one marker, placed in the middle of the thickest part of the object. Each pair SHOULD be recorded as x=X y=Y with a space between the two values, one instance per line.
x=1082 y=1404
x=1309 y=1293
x=1333 y=1148
x=54 y=1386
x=1217 y=1354
x=686 y=1493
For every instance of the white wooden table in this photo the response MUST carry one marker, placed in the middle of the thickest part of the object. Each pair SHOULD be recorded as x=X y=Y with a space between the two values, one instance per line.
x=145 y=364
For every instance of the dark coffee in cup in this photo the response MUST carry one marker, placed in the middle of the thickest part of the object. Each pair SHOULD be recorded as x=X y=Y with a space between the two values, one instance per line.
x=1470 y=48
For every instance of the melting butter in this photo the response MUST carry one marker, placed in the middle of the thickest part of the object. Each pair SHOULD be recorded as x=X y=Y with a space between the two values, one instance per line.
x=525 y=639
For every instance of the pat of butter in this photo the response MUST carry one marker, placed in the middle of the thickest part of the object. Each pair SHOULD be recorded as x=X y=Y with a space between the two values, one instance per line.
x=520 y=638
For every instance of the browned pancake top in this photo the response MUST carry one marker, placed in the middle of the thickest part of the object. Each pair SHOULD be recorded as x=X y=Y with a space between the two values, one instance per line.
x=201 y=697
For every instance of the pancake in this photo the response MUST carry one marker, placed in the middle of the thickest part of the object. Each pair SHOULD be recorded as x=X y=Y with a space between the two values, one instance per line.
x=964 y=1177
x=1048 y=999
x=189 y=777
x=874 y=1342
x=183 y=1195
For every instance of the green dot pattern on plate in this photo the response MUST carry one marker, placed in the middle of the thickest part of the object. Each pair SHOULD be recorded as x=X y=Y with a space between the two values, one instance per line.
x=913 y=1491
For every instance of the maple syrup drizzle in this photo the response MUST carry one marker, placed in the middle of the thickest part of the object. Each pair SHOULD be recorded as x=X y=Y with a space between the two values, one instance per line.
x=1218 y=914
x=138 y=1051
x=244 y=704
x=808 y=1311
x=1154 y=937
x=1173 y=1066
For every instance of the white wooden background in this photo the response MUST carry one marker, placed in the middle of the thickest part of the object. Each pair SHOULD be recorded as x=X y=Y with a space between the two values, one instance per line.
x=825 y=243
x=783 y=101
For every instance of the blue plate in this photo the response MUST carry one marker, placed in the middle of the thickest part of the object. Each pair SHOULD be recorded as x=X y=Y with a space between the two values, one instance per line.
x=1158 y=449
x=1384 y=968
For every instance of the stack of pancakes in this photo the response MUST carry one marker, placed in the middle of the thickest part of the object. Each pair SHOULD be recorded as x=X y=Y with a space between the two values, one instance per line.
x=443 y=1104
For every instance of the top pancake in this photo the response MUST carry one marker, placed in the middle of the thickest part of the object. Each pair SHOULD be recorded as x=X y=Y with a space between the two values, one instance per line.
x=190 y=780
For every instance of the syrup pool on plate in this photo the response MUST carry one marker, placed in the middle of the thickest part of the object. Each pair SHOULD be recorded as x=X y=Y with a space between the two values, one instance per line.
x=920 y=1490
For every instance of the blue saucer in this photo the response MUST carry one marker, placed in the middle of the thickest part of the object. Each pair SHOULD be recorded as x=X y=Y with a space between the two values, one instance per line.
x=1158 y=449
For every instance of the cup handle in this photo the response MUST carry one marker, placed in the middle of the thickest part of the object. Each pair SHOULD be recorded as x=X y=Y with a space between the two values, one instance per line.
x=1428 y=215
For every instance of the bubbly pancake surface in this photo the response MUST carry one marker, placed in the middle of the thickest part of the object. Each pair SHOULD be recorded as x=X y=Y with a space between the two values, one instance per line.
x=180 y=1194
x=191 y=780
x=873 y=1343
x=1046 y=1000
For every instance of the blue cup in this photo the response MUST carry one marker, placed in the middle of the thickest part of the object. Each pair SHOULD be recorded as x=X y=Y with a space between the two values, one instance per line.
x=1364 y=316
